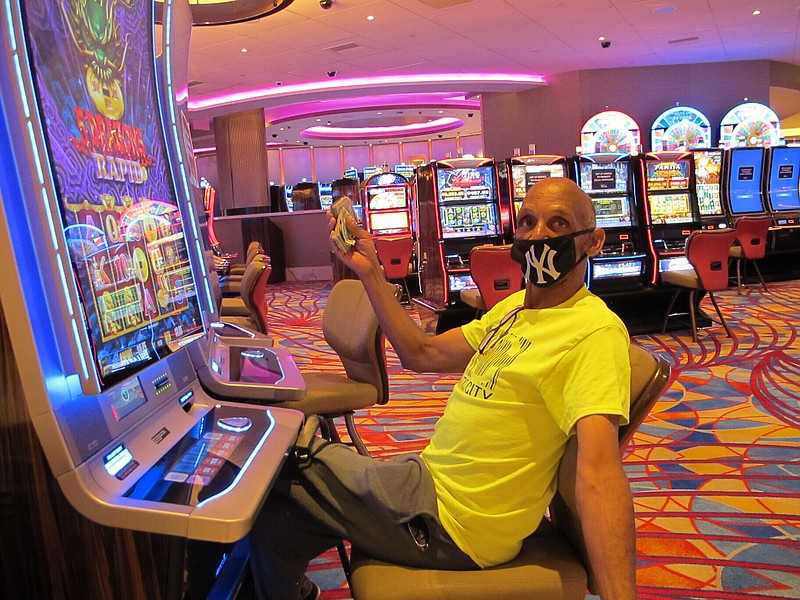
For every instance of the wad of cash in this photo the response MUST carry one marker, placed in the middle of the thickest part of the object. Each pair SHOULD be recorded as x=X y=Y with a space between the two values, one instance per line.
x=341 y=236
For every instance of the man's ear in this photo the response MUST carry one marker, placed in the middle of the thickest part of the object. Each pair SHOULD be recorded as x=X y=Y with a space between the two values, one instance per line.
x=596 y=240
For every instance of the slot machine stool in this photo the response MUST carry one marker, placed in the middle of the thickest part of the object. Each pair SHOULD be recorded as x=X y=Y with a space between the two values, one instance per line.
x=552 y=564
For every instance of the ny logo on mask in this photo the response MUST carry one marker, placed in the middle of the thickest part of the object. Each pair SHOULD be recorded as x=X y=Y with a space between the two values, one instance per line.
x=543 y=264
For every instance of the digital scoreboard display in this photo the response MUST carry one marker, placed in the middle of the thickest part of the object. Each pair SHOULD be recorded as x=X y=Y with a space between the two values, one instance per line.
x=96 y=85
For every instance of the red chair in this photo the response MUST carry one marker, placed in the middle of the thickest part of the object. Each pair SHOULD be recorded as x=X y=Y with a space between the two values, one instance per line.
x=707 y=251
x=495 y=273
x=250 y=310
x=394 y=254
x=751 y=244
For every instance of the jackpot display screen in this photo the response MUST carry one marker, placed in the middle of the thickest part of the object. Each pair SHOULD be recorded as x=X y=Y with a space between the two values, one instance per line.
x=466 y=184
x=604 y=178
x=707 y=168
x=525 y=176
x=670 y=208
x=96 y=86
x=668 y=175
x=744 y=185
x=783 y=179
x=468 y=220
x=389 y=222
x=382 y=198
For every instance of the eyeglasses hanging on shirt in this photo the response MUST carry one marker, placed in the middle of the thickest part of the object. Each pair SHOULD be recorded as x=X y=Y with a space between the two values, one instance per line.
x=495 y=333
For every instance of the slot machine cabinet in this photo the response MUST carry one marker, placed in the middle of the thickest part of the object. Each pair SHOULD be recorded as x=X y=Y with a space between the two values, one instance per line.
x=107 y=284
x=386 y=201
x=518 y=174
x=707 y=185
x=305 y=196
x=325 y=195
x=669 y=206
x=458 y=208
x=781 y=181
x=607 y=178
x=742 y=182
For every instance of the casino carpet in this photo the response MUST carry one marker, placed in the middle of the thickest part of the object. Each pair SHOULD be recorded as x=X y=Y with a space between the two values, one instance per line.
x=714 y=468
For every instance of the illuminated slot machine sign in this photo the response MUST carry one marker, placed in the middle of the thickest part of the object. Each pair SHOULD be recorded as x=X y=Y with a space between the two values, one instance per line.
x=287 y=194
x=707 y=176
x=750 y=124
x=680 y=128
x=370 y=171
x=388 y=210
x=610 y=131
x=743 y=174
x=107 y=245
x=406 y=171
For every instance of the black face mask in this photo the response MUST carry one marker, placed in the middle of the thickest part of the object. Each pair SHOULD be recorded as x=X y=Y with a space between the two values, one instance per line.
x=545 y=262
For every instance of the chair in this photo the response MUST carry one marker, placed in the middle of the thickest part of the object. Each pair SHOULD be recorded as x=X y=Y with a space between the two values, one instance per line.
x=351 y=329
x=751 y=244
x=250 y=309
x=707 y=251
x=552 y=564
x=495 y=273
x=230 y=283
x=394 y=254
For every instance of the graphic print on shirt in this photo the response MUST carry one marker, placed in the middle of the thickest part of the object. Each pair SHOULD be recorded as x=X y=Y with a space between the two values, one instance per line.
x=481 y=375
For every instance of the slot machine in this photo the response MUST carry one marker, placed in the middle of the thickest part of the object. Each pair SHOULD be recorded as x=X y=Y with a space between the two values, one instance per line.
x=669 y=206
x=782 y=179
x=742 y=182
x=707 y=185
x=607 y=178
x=325 y=195
x=349 y=187
x=680 y=128
x=305 y=196
x=287 y=196
x=750 y=125
x=107 y=281
x=387 y=205
x=458 y=208
x=518 y=174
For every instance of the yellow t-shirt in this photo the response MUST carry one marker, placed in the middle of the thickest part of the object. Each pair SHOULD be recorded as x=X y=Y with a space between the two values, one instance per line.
x=495 y=451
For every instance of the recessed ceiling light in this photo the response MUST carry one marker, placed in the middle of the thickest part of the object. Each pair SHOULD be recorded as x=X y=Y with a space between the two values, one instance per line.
x=370 y=18
x=756 y=12
x=244 y=49
x=601 y=39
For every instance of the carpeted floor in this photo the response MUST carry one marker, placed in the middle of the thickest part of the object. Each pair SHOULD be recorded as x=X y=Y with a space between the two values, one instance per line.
x=714 y=468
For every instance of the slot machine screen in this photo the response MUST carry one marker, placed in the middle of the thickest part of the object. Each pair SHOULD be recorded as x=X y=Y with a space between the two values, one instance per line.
x=121 y=219
x=325 y=195
x=381 y=198
x=668 y=175
x=745 y=181
x=783 y=179
x=525 y=176
x=465 y=185
x=468 y=220
x=389 y=222
x=707 y=167
x=612 y=211
x=604 y=178
x=670 y=208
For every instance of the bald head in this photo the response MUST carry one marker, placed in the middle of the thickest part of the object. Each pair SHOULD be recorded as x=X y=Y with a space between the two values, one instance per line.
x=565 y=192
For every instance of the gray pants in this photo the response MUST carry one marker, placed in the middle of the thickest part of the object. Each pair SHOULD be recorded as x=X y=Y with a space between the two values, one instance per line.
x=387 y=508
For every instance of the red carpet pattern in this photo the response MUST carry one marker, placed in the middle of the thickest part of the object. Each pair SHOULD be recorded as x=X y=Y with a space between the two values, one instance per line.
x=714 y=468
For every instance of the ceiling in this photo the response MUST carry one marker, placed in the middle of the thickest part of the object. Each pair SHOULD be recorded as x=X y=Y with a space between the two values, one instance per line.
x=307 y=66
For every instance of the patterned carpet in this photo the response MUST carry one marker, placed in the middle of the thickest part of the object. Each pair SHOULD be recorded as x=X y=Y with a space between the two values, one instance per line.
x=715 y=468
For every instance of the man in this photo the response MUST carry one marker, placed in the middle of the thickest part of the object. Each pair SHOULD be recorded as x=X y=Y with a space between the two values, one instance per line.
x=546 y=363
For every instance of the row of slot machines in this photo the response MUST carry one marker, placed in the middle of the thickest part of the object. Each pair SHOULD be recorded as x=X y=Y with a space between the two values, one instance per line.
x=647 y=204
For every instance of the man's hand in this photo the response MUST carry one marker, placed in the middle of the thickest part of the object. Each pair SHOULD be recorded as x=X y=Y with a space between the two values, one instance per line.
x=361 y=258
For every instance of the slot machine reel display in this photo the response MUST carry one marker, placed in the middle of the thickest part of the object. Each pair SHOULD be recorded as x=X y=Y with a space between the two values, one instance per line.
x=109 y=290
x=458 y=208
x=608 y=180
x=670 y=207
x=518 y=174
x=708 y=187
x=387 y=205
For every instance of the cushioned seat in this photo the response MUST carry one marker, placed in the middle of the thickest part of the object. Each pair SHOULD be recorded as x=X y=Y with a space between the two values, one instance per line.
x=751 y=245
x=495 y=274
